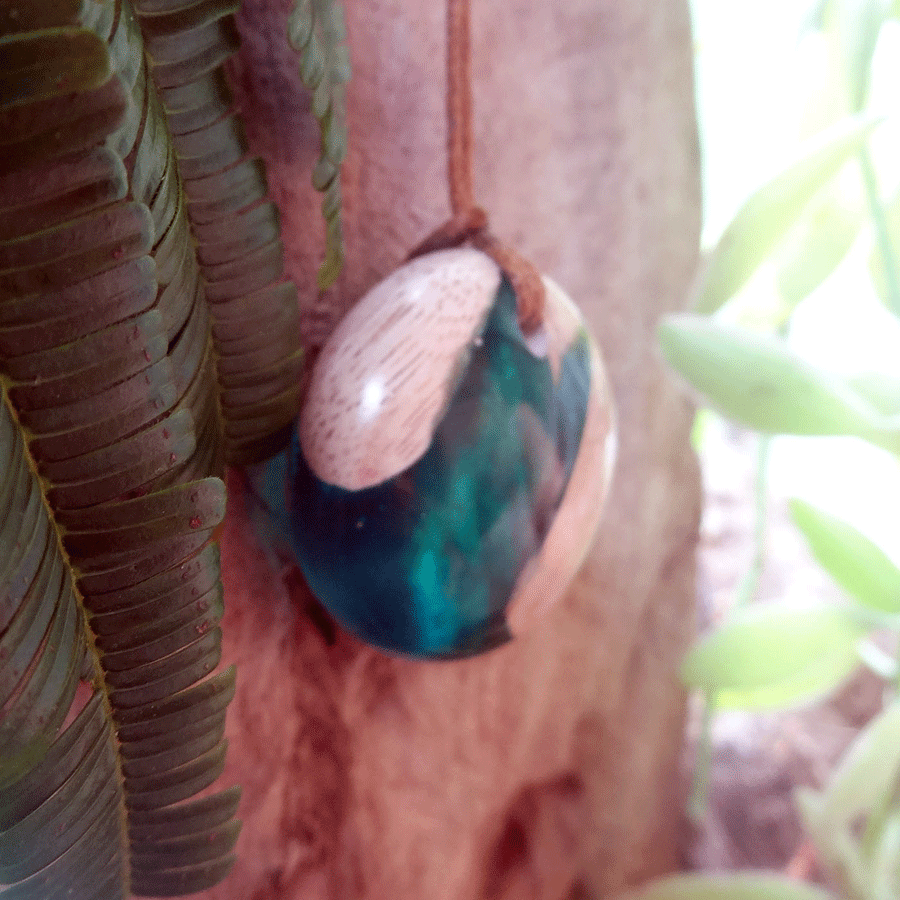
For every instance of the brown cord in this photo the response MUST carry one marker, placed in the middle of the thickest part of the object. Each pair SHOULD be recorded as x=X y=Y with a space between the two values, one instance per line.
x=526 y=281
x=459 y=107
x=454 y=232
x=468 y=221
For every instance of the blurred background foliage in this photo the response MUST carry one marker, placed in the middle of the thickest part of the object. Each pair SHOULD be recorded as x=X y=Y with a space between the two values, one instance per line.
x=793 y=333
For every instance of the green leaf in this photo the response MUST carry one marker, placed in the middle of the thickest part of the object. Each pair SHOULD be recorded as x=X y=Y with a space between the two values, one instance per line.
x=820 y=240
x=774 y=656
x=41 y=644
x=700 y=429
x=880 y=389
x=737 y=886
x=858 y=23
x=881 y=277
x=758 y=382
x=884 y=244
x=821 y=100
x=884 y=858
x=865 y=772
x=39 y=64
x=859 y=566
x=58 y=782
x=770 y=212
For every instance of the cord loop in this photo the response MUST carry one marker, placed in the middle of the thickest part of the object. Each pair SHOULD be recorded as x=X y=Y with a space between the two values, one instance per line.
x=468 y=222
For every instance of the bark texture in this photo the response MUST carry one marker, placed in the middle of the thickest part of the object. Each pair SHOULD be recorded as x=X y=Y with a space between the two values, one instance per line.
x=546 y=769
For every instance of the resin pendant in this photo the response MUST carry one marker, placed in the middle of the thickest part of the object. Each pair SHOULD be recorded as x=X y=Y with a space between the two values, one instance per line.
x=448 y=471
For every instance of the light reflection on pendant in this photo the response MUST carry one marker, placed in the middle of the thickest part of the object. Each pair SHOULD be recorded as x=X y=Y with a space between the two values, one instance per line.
x=448 y=472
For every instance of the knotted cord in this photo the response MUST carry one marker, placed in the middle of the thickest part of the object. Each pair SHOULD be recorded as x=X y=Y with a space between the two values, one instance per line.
x=468 y=221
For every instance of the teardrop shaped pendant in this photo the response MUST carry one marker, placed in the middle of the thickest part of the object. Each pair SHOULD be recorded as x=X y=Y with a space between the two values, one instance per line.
x=448 y=472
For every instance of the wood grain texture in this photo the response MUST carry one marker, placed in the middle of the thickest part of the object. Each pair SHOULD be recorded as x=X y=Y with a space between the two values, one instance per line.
x=387 y=372
x=551 y=762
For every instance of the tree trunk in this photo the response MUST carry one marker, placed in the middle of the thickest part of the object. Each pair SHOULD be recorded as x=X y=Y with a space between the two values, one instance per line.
x=548 y=766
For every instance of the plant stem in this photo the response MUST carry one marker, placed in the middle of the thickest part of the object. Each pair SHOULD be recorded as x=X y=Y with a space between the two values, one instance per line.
x=698 y=802
x=897 y=673
x=750 y=582
x=699 y=797
x=882 y=232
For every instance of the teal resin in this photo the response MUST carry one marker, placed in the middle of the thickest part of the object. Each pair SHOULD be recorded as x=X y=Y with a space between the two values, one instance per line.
x=425 y=563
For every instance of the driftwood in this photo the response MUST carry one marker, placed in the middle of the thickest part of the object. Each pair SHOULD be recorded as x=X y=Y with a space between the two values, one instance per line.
x=546 y=769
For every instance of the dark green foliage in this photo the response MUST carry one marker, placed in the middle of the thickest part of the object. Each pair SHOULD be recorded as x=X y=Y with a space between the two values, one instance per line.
x=316 y=31
x=42 y=641
x=138 y=252
x=233 y=222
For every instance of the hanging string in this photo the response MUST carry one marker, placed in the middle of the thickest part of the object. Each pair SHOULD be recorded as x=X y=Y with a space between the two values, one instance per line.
x=459 y=106
x=468 y=222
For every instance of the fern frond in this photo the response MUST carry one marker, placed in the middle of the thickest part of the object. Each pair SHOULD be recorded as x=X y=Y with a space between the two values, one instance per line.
x=73 y=797
x=111 y=435
x=233 y=221
x=42 y=642
x=317 y=32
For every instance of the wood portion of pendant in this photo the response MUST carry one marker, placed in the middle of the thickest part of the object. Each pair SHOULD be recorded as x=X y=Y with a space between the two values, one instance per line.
x=547 y=576
x=446 y=510
x=386 y=375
